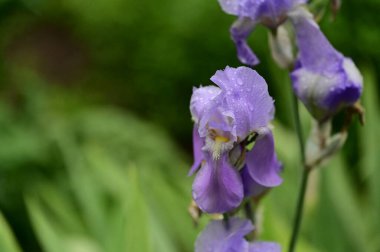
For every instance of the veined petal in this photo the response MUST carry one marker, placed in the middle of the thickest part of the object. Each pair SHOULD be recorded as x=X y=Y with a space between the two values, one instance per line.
x=217 y=188
x=262 y=162
x=240 y=30
x=264 y=247
x=217 y=238
x=198 y=143
x=246 y=95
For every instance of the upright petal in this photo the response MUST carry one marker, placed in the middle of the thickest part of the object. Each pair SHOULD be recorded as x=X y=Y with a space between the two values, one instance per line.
x=217 y=238
x=240 y=30
x=198 y=143
x=201 y=99
x=323 y=79
x=315 y=51
x=264 y=247
x=230 y=6
x=246 y=94
x=262 y=162
x=217 y=188
x=273 y=12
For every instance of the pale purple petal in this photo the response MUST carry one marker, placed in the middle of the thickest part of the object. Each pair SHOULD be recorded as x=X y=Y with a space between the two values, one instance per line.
x=271 y=12
x=217 y=187
x=240 y=30
x=323 y=79
x=251 y=187
x=264 y=247
x=198 y=143
x=230 y=6
x=262 y=162
x=315 y=51
x=201 y=99
x=246 y=95
x=217 y=238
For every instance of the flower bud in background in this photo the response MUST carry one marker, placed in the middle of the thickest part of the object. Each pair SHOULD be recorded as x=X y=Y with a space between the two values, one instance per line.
x=281 y=47
x=250 y=13
x=323 y=79
x=225 y=116
x=219 y=237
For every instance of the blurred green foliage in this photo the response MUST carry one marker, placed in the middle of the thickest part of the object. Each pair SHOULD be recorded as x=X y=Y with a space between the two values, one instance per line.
x=93 y=93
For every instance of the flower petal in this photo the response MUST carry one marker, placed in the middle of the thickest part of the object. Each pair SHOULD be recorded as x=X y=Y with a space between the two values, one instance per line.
x=230 y=6
x=246 y=94
x=324 y=80
x=217 y=238
x=315 y=51
x=201 y=99
x=198 y=143
x=264 y=247
x=240 y=30
x=251 y=187
x=217 y=188
x=262 y=162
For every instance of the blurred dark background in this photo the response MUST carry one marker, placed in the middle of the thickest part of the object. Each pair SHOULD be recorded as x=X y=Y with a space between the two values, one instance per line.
x=107 y=84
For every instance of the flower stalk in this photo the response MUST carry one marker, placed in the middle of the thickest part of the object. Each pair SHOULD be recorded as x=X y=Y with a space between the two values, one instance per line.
x=305 y=177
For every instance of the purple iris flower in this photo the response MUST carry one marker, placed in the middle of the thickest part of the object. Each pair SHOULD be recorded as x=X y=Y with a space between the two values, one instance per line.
x=323 y=79
x=270 y=13
x=218 y=237
x=225 y=116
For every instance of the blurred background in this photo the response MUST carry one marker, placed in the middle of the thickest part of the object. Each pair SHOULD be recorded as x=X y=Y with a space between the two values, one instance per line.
x=95 y=129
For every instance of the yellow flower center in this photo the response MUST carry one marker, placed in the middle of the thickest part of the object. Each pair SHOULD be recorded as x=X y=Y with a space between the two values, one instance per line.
x=221 y=139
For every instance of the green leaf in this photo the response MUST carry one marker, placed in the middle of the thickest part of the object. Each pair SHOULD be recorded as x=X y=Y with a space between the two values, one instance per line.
x=370 y=152
x=8 y=242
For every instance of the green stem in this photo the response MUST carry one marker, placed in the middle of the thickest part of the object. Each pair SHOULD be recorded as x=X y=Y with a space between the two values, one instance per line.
x=298 y=127
x=249 y=213
x=305 y=177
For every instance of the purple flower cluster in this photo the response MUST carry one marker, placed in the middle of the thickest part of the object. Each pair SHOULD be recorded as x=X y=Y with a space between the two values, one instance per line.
x=236 y=113
x=323 y=79
x=226 y=116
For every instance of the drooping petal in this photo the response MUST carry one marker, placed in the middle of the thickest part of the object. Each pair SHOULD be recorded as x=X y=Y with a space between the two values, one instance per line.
x=240 y=30
x=217 y=187
x=251 y=187
x=217 y=238
x=323 y=79
x=201 y=99
x=198 y=143
x=264 y=247
x=262 y=162
x=246 y=95
x=350 y=90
